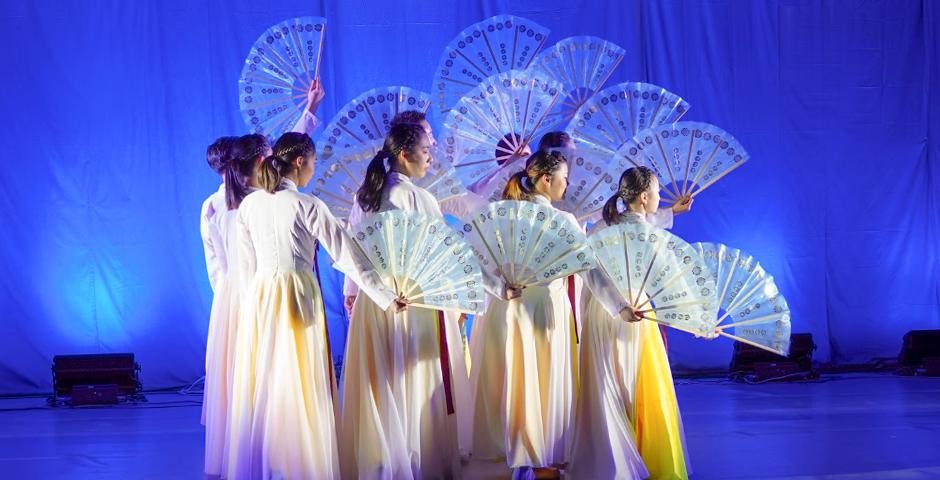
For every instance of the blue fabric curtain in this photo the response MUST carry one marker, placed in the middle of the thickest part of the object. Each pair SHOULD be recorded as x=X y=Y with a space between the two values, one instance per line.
x=108 y=106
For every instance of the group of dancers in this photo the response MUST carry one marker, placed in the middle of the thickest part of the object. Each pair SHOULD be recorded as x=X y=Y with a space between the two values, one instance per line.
x=557 y=383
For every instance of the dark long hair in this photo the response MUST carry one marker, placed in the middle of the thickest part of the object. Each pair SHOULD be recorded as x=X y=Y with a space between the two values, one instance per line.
x=408 y=116
x=521 y=186
x=219 y=154
x=403 y=137
x=281 y=163
x=633 y=182
x=555 y=140
x=238 y=172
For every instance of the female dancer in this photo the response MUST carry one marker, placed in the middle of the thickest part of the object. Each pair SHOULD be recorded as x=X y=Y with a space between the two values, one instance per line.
x=523 y=378
x=626 y=385
x=405 y=385
x=285 y=403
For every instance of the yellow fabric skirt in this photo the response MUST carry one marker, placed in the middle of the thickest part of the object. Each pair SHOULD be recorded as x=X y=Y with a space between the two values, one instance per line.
x=626 y=382
x=283 y=411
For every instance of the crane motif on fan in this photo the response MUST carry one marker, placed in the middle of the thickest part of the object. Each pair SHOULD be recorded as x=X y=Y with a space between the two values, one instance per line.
x=423 y=260
x=281 y=66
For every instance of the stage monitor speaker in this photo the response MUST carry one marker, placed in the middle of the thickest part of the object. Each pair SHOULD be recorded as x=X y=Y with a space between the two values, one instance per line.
x=95 y=378
x=763 y=365
x=920 y=352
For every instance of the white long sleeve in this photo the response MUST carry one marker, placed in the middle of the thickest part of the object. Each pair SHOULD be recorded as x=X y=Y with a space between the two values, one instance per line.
x=350 y=289
x=247 y=260
x=462 y=206
x=307 y=123
x=346 y=255
x=604 y=290
x=212 y=242
x=661 y=219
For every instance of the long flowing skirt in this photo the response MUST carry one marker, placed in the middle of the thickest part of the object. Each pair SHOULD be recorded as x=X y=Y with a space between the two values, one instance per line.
x=523 y=379
x=405 y=412
x=626 y=382
x=220 y=349
x=604 y=445
x=282 y=422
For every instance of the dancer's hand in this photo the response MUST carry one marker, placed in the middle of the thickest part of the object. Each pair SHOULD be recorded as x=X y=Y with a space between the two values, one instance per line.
x=683 y=204
x=399 y=305
x=348 y=303
x=315 y=95
x=629 y=315
x=512 y=292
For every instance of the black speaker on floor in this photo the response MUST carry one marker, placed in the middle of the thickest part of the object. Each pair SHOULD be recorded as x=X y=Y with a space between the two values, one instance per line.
x=94 y=379
x=761 y=365
x=920 y=353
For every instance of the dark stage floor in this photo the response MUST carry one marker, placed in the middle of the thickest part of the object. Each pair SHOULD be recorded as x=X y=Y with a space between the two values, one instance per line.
x=852 y=426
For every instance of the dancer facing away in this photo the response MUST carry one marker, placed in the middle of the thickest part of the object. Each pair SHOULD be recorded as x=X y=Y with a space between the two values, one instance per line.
x=285 y=399
x=217 y=229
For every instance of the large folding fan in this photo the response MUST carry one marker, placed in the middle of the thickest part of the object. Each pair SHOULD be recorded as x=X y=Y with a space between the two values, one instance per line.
x=688 y=157
x=616 y=114
x=356 y=133
x=658 y=272
x=593 y=176
x=496 y=120
x=750 y=303
x=495 y=45
x=337 y=179
x=582 y=65
x=282 y=64
x=526 y=243
x=423 y=260
x=366 y=118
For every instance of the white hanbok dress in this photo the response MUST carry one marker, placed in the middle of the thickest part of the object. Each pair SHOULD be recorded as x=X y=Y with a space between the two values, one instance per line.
x=627 y=422
x=405 y=383
x=284 y=397
x=524 y=378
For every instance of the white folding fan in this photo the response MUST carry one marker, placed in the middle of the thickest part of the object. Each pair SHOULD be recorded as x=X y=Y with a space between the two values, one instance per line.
x=495 y=45
x=750 y=304
x=659 y=273
x=526 y=243
x=337 y=179
x=582 y=65
x=366 y=118
x=356 y=133
x=688 y=157
x=441 y=178
x=282 y=64
x=423 y=260
x=593 y=176
x=614 y=115
x=490 y=127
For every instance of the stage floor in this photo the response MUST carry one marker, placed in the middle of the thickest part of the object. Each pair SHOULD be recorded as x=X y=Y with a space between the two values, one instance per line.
x=851 y=426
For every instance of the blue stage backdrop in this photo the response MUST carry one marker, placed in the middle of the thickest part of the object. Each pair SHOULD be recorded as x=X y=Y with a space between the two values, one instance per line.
x=108 y=106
